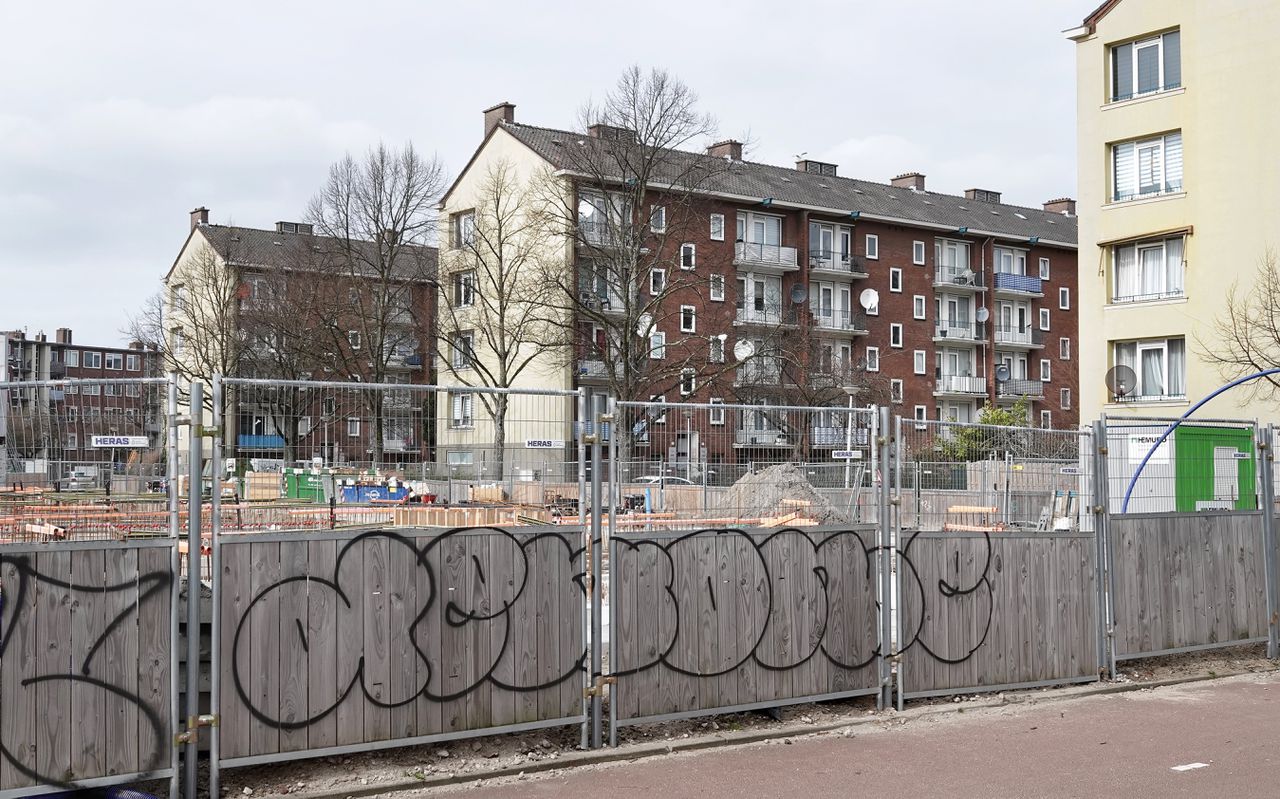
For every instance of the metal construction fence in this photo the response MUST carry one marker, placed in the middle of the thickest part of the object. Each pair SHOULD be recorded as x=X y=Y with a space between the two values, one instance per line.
x=387 y=565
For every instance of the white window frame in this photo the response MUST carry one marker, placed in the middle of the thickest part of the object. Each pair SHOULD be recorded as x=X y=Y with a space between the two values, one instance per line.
x=353 y=428
x=353 y=340
x=874 y=310
x=1046 y=370
x=659 y=272
x=1044 y=268
x=464 y=229
x=1139 y=247
x=463 y=357
x=871 y=247
x=715 y=416
x=921 y=414
x=895 y=391
x=1064 y=299
x=1064 y=349
x=72 y=358
x=1064 y=398
x=1159 y=344
x=692 y=326
x=691 y=375
x=895 y=335
x=657 y=345
x=715 y=287
x=73 y=441
x=895 y=280
x=92 y=390
x=692 y=249
x=919 y=307
x=1134 y=45
x=1044 y=318
x=658 y=218
x=717 y=227
x=920 y=362
x=1046 y=420
x=464 y=288
x=92 y=359
x=716 y=353
x=1159 y=146
x=917 y=253
x=467 y=419
x=132 y=363
x=114 y=358
x=873 y=359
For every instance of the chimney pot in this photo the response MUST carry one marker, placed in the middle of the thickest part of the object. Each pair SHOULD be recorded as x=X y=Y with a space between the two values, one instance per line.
x=730 y=148
x=909 y=180
x=199 y=216
x=494 y=115
x=1062 y=205
x=62 y=335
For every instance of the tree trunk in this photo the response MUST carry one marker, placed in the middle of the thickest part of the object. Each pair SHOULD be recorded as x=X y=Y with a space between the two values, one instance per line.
x=500 y=434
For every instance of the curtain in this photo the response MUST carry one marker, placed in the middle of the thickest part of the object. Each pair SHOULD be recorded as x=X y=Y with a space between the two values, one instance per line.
x=1123 y=175
x=1148 y=68
x=1153 y=270
x=1177 y=366
x=1122 y=72
x=1173 y=265
x=1126 y=272
x=1173 y=162
x=1153 y=372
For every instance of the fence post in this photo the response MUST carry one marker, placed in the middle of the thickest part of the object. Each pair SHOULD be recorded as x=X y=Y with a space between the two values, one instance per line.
x=172 y=474
x=1265 y=443
x=884 y=698
x=215 y=524
x=615 y=497
x=194 y=502
x=1102 y=546
x=895 y=552
x=597 y=618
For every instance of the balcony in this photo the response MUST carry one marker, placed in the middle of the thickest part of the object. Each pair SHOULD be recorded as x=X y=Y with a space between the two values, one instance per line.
x=593 y=369
x=841 y=320
x=961 y=385
x=758 y=373
x=599 y=233
x=950 y=332
x=1017 y=389
x=770 y=439
x=1018 y=285
x=1025 y=337
x=608 y=301
x=398 y=444
x=838 y=437
x=756 y=315
x=773 y=258
x=959 y=277
x=842 y=264
x=259 y=442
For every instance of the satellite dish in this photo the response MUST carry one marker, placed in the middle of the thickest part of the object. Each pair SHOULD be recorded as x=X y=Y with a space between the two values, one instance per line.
x=868 y=299
x=644 y=324
x=799 y=294
x=1121 y=380
x=1002 y=373
x=983 y=314
x=743 y=350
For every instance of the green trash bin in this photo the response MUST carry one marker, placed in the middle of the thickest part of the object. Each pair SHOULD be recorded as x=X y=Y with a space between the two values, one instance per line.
x=304 y=484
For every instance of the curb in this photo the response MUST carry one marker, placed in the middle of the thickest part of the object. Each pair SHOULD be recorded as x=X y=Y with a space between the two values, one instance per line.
x=643 y=751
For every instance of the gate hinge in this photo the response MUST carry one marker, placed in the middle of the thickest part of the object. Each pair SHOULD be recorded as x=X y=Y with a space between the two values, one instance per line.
x=598 y=688
x=192 y=732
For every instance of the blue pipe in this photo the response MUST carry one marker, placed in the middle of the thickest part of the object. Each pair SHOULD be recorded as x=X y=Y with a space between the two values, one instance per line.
x=1134 y=480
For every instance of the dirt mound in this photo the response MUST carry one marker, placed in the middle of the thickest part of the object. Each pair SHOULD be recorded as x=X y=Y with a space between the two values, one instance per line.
x=778 y=495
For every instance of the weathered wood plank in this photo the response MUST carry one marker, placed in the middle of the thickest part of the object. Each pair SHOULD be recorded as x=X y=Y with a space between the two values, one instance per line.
x=324 y=685
x=294 y=645
x=402 y=593
x=264 y=656
x=115 y=661
x=88 y=702
x=350 y=637
x=236 y=591
x=377 y=634
x=453 y=643
x=429 y=636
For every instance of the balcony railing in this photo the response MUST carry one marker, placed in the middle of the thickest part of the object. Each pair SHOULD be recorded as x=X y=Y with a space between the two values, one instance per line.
x=601 y=233
x=593 y=369
x=1021 y=388
x=839 y=437
x=959 y=331
x=606 y=300
x=398 y=444
x=751 y=315
x=1172 y=294
x=1024 y=335
x=759 y=374
x=259 y=442
x=1023 y=284
x=961 y=384
x=840 y=319
x=747 y=252
x=761 y=438
x=841 y=263
x=958 y=276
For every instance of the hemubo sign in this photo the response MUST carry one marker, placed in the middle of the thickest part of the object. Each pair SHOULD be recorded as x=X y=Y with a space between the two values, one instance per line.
x=1140 y=444
x=111 y=442
x=542 y=443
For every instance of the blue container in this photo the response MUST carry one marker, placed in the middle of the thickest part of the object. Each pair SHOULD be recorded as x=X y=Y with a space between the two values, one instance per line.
x=368 y=493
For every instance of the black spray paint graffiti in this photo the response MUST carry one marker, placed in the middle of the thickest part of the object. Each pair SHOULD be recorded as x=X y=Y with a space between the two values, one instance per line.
x=500 y=594
x=792 y=566
x=15 y=610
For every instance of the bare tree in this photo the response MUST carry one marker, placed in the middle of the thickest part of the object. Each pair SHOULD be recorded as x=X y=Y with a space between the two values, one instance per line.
x=496 y=317
x=374 y=218
x=1246 y=337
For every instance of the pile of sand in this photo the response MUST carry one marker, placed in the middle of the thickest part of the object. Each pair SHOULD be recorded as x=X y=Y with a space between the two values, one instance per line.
x=779 y=495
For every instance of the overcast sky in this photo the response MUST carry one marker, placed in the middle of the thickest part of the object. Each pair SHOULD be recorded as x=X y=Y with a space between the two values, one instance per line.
x=116 y=119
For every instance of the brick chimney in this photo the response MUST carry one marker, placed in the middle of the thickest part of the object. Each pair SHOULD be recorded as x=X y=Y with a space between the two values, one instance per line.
x=909 y=180
x=502 y=112
x=603 y=131
x=983 y=195
x=817 y=167
x=199 y=216
x=1062 y=205
x=729 y=148
x=62 y=335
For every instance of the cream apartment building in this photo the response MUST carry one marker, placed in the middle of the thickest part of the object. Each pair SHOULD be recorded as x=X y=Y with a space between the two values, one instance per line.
x=1178 y=106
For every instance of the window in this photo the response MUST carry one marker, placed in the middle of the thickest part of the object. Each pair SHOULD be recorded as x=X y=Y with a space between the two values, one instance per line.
x=658 y=219
x=1044 y=318
x=1148 y=270
x=1147 y=167
x=895 y=280
x=919 y=360
x=1010 y=262
x=353 y=338
x=918 y=306
x=716 y=415
x=72 y=357
x=115 y=361
x=353 y=428
x=874 y=310
x=1044 y=268
x=72 y=441
x=917 y=253
x=895 y=335
x=457 y=458
x=1064 y=398
x=717 y=349
x=464 y=229
x=1146 y=66
x=464 y=288
x=91 y=391
x=1045 y=365
x=717 y=288
x=688 y=256
x=657 y=281
x=895 y=391
x=658 y=414
x=1064 y=299
x=717 y=227
x=73 y=389
x=463 y=349
x=688 y=319
x=921 y=414
x=1046 y=419
x=873 y=359
x=92 y=360
x=111 y=390
x=1159 y=366
x=657 y=345
x=462 y=415
x=688 y=382
x=133 y=363
x=873 y=246
x=131 y=390
x=1064 y=349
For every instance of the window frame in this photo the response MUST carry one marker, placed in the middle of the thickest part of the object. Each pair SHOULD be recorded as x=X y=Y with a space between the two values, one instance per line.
x=1140 y=346
x=657 y=352
x=692 y=319
x=920 y=362
x=920 y=414
x=919 y=307
x=1046 y=419
x=461 y=239
x=462 y=357
x=717 y=349
x=871 y=247
x=659 y=213
x=1140 y=246
x=133 y=363
x=716 y=416
x=895 y=280
x=895 y=335
x=1064 y=298
x=464 y=290
x=712 y=223
x=1064 y=348
x=872 y=359
x=1160 y=42
x=109 y=358
x=1046 y=370
x=71 y=358
x=713 y=281
x=91 y=359
x=659 y=272
x=691 y=375
x=1165 y=187
x=1044 y=268
x=917 y=253
x=353 y=427
x=692 y=249
x=1045 y=320
x=1064 y=398
x=896 y=391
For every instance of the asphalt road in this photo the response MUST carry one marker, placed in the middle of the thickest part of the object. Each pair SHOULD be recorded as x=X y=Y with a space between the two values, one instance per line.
x=1121 y=745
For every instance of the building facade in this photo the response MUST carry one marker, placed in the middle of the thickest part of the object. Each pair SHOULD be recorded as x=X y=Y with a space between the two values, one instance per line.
x=1175 y=120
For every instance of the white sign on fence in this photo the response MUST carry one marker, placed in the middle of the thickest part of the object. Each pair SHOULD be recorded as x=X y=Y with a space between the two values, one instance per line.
x=107 y=442
x=847 y=455
x=1240 y=456
x=1140 y=444
x=542 y=443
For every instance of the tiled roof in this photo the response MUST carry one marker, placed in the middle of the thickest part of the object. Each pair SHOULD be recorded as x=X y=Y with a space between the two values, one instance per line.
x=873 y=200
x=273 y=250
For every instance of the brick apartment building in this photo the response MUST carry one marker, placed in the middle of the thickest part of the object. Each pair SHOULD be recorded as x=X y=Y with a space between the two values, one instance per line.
x=782 y=257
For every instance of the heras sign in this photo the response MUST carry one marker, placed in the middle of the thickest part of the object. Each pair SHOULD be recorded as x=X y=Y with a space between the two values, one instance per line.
x=107 y=442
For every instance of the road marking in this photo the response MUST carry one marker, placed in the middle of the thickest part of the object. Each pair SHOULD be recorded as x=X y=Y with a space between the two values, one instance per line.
x=1189 y=766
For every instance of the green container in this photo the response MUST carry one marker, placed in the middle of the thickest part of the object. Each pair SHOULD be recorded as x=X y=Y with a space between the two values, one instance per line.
x=1205 y=464
x=304 y=485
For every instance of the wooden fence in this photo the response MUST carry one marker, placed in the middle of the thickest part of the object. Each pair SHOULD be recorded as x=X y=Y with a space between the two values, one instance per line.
x=86 y=662
x=987 y=611
x=1187 y=581
x=717 y=620
x=395 y=637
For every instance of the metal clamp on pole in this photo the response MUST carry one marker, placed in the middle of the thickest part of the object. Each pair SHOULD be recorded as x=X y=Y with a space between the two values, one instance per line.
x=597 y=689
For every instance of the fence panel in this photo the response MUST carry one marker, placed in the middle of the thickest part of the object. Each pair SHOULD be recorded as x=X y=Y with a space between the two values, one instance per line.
x=720 y=620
